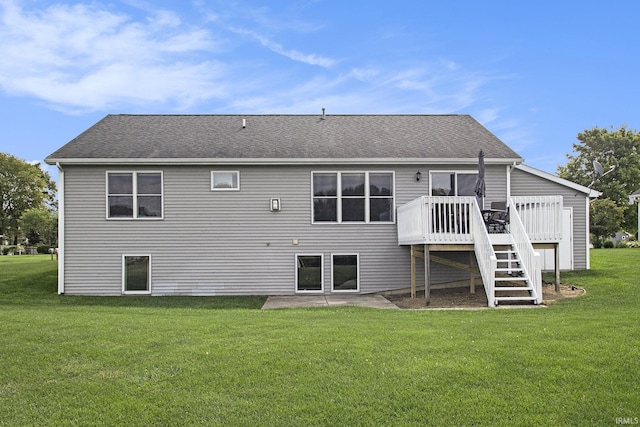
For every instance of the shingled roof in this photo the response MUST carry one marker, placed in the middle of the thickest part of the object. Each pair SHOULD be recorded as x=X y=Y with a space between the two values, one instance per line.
x=281 y=138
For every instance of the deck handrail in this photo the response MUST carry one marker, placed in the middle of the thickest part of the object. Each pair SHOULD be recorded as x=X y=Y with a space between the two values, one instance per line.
x=435 y=219
x=541 y=216
x=485 y=255
x=531 y=260
x=411 y=221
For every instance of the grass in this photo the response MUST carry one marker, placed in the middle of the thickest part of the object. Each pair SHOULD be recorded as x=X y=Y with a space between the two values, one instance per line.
x=222 y=361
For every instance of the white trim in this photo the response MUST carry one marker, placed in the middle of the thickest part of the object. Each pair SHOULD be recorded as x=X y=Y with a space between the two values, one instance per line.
x=564 y=182
x=367 y=197
x=61 y=227
x=135 y=195
x=148 y=291
x=357 y=289
x=509 y=168
x=283 y=161
x=313 y=291
x=237 y=172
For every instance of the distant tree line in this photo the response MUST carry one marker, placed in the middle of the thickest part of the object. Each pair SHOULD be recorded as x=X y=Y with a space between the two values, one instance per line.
x=27 y=198
x=612 y=148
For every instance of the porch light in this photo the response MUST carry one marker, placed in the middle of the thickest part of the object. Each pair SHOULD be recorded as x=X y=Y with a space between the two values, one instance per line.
x=418 y=176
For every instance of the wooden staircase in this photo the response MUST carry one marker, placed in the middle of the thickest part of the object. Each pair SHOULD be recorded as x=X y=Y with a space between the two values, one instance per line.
x=512 y=282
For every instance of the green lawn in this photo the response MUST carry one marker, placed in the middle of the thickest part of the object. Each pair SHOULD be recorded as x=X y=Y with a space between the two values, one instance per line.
x=222 y=361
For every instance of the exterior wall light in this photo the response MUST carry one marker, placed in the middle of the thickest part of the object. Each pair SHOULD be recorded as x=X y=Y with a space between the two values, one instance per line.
x=418 y=176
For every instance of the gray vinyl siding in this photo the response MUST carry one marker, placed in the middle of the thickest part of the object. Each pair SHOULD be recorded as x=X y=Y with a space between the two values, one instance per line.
x=526 y=184
x=230 y=243
x=220 y=242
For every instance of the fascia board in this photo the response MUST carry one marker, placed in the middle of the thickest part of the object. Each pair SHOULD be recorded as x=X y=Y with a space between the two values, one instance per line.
x=564 y=182
x=283 y=161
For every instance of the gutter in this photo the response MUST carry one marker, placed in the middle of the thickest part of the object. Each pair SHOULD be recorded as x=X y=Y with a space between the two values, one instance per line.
x=280 y=161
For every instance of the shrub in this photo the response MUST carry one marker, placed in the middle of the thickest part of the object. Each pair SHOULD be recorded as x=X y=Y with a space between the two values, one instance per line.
x=43 y=249
x=607 y=244
x=8 y=250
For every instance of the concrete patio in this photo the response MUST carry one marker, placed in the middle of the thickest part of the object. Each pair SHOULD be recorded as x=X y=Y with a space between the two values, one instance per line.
x=306 y=301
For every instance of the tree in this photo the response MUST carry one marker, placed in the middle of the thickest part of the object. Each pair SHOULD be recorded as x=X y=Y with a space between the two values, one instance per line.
x=39 y=225
x=619 y=148
x=605 y=218
x=23 y=186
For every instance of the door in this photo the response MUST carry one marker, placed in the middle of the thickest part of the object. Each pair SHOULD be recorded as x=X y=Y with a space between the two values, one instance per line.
x=565 y=247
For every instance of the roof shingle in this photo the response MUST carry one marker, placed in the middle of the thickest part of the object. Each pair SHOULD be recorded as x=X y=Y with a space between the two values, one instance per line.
x=271 y=137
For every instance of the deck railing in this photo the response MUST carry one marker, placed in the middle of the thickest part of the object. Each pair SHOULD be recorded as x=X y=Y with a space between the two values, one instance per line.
x=447 y=219
x=541 y=216
x=485 y=255
x=436 y=219
x=530 y=259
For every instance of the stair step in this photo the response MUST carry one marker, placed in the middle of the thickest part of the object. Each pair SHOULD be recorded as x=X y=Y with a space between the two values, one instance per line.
x=511 y=279
x=512 y=288
x=509 y=269
x=515 y=298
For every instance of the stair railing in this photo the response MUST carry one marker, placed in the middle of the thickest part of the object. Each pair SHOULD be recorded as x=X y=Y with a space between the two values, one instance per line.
x=485 y=255
x=531 y=260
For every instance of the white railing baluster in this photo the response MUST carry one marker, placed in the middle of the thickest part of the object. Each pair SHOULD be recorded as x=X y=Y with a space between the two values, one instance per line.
x=530 y=259
x=485 y=255
x=541 y=216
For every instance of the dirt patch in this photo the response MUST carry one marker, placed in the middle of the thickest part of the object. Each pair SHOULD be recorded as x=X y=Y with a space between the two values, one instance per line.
x=462 y=298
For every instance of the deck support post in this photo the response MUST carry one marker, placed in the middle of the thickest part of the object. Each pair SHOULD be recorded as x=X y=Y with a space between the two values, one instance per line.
x=472 y=285
x=556 y=252
x=427 y=275
x=413 y=271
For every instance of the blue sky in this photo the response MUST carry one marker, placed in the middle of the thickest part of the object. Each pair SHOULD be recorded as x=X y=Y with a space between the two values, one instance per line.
x=534 y=73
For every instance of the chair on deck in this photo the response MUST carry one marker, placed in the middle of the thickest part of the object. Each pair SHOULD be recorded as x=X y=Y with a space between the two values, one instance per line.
x=497 y=217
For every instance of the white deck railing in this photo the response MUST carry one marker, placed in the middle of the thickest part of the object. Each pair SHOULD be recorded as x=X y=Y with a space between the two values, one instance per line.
x=446 y=219
x=531 y=260
x=485 y=255
x=436 y=219
x=541 y=216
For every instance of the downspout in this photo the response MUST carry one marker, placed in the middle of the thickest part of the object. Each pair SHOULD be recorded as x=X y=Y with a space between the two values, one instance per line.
x=588 y=210
x=60 y=229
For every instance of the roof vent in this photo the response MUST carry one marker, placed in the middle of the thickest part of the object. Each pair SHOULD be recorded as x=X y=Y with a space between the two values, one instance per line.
x=244 y=123
x=323 y=116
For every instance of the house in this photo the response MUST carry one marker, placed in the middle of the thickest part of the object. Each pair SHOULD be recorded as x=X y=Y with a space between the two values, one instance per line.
x=296 y=204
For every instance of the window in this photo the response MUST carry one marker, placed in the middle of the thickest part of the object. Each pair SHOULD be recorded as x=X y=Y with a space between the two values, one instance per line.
x=309 y=274
x=136 y=274
x=225 y=180
x=353 y=197
x=345 y=273
x=453 y=183
x=136 y=195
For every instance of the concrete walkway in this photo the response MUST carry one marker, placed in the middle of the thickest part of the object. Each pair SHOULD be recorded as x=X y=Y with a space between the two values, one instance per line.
x=304 y=301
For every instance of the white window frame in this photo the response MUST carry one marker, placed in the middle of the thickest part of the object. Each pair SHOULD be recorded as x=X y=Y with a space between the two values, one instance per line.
x=135 y=196
x=367 y=197
x=357 y=289
x=313 y=291
x=124 y=266
x=455 y=172
x=236 y=172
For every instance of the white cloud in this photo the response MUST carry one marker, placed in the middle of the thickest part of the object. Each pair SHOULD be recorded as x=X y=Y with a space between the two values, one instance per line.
x=83 y=57
x=294 y=55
